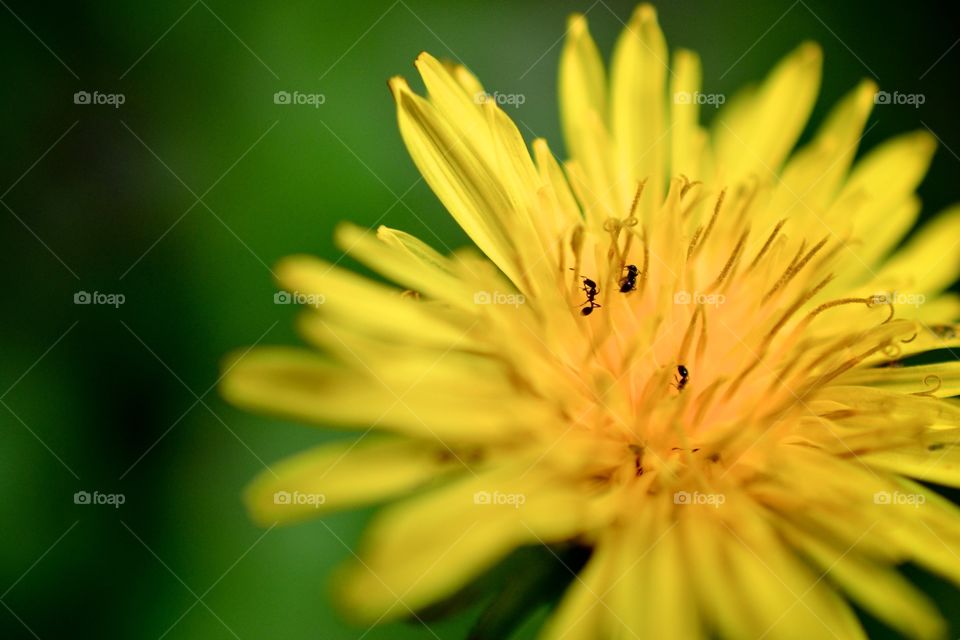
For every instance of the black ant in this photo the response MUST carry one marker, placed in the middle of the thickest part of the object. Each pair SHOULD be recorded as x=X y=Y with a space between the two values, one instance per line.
x=629 y=282
x=590 y=288
x=684 y=377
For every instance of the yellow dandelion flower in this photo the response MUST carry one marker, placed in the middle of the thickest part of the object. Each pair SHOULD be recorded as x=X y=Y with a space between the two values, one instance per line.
x=688 y=350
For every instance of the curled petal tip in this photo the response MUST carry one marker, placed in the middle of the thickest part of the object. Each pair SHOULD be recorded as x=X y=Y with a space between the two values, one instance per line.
x=645 y=14
x=398 y=85
x=576 y=25
x=810 y=52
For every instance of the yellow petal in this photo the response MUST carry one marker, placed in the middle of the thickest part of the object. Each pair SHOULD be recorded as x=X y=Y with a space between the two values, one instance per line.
x=344 y=297
x=789 y=600
x=458 y=108
x=415 y=398
x=521 y=182
x=490 y=136
x=884 y=403
x=638 y=109
x=940 y=380
x=889 y=172
x=344 y=474
x=929 y=531
x=877 y=203
x=593 y=177
x=834 y=146
x=565 y=207
x=939 y=313
x=874 y=241
x=582 y=613
x=652 y=563
x=930 y=262
x=687 y=139
x=735 y=557
x=881 y=590
x=463 y=182
x=937 y=459
x=885 y=516
x=755 y=132
x=705 y=538
x=582 y=86
x=842 y=133
x=426 y=548
x=462 y=75
x=933 y=335
x=812 y=176
x=407 y=261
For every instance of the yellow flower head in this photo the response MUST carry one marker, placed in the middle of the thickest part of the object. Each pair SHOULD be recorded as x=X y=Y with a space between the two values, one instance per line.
x=686 y=349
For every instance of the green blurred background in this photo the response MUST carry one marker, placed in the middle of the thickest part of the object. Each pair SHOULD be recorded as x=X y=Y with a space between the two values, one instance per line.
x=97 y=198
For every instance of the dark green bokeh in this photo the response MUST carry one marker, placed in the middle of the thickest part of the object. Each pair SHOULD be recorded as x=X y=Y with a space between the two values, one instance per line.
x=113 y=405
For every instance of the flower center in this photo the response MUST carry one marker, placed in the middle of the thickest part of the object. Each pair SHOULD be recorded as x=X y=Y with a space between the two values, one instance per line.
x=700 y=343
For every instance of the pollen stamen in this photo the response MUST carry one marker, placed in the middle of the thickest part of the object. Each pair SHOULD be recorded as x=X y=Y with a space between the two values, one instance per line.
x=834 y=303
x=646 y=260
x=794 y=269
x=827 y=257
x=576 y=245
x=687 y=185
x=746 y=202
x=846 y=366
x=768 y=339
x=562 y=257
x=892 y=351
x=766 y=245
x=713 y=221
x=636 y=200
x=688 y=334
x=685 y=212
x=927 y=382
x=628 y=243
x=704 y=400
x=786 y=272
x=731 y=261
x=802 y=300
x=693 y=241
x=702 y=339
x=778 y=379
x=876 y=299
